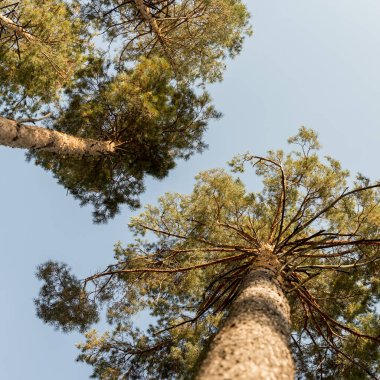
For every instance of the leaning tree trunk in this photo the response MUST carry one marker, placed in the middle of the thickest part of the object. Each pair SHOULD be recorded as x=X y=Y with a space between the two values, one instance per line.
x=148 y=18
x=8 y=24
x=254 y=340
x=16 y=135
x=145 y=13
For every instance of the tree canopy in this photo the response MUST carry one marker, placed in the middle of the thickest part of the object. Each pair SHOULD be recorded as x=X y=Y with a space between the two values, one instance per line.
x=192 y=34
x=141 y=88
x=192 y=252
x=153 y=120
x=41 y=46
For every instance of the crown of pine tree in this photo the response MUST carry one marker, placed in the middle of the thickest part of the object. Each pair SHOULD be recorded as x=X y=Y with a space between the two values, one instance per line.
x=123 y=83
x=311 y=229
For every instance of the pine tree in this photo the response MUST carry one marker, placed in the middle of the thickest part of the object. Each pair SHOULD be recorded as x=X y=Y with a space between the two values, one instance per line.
x=238 y=283
x=41 y=45
x=114 y=113
x=192 y=34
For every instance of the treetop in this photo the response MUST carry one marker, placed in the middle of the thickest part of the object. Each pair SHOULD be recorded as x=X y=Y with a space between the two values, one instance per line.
x=192 y=251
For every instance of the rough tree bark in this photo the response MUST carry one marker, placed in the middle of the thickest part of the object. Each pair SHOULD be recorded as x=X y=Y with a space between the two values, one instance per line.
x=16 y=135
x=254 y=340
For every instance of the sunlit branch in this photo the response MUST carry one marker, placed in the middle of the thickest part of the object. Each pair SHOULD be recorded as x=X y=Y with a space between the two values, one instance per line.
x=340 y=243
x=330 y=342
x=300 y=213
x=300 y=228
x=339 y=266
x=147 y=16
x=280 y=211
x=167 y=270
x=7 y=23
x=313 y=304
x=171 y=250
x=328 y=255
x=301 y=242
x=333 y=347
x=247 y=237
x=303 y=246
x=183 y=237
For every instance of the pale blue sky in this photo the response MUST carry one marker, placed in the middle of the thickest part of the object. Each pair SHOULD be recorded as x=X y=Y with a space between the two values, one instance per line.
x=313 y=63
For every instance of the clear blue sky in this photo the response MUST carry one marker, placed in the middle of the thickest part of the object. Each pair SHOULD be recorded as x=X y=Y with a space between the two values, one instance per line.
x=314 y=63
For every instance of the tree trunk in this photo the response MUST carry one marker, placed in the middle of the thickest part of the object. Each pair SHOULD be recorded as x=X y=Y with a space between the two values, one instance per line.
x=146 y=15
x=254 y=340
x=7 y=23
x=16 y=135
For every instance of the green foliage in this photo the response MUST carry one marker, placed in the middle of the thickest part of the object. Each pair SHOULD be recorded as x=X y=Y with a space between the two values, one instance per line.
x=62 y=302
x=33 y=70
x=192 y=251
x=145 y=98
x=154 y=119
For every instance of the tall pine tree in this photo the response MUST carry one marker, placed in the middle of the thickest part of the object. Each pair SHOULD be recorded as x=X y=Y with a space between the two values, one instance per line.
x=238 y=283
x=119 y=109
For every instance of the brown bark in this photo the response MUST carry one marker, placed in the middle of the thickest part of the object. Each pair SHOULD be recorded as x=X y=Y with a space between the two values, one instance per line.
x=254 y=340
x=16 y=135
x=146 y=15
x=7 y=23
